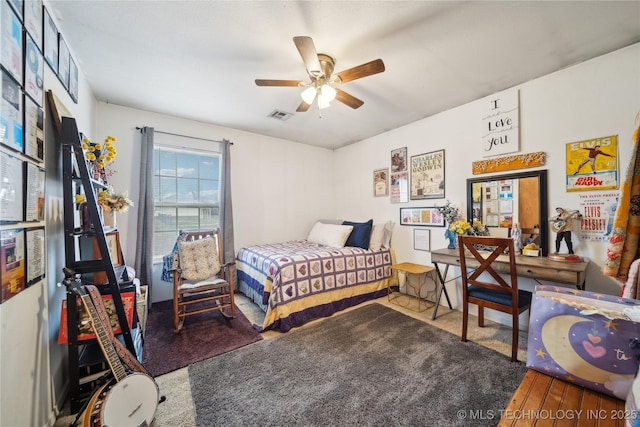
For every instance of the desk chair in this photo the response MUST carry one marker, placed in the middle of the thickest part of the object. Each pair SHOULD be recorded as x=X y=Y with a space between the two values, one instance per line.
x=202 y=282
x=500 y=294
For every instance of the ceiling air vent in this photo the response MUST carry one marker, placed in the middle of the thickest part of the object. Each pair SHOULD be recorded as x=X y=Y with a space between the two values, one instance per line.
x=280 y=115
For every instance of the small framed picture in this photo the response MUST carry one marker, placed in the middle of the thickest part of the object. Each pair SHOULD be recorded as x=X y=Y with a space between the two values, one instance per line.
x=421 y=217
x=399 y=160
x=381 y=182
x=422 y=239
x=11 y=43
x=12 y=268
x=36 y=262
x=33 y=130
x=33 y=20
x=113 y=244
x=11 y=114
x=63 y=61
x=34 y=71
x=73 y=80
x=50 y=41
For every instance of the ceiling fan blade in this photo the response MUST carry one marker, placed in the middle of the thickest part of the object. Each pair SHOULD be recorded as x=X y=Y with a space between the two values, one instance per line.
x=347 y=99
x=303 y=107
x=309 y=55
x=262 y=82
x=374 y=67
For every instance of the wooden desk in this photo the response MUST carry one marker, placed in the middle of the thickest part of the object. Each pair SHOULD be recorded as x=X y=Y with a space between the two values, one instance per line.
x=536 y=268
x=409 y=269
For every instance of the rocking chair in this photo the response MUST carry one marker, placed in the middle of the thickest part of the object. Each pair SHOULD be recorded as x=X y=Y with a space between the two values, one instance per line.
x=202 y=282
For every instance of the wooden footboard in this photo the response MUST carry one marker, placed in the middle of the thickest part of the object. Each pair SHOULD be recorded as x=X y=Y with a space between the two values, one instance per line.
x=544 y=400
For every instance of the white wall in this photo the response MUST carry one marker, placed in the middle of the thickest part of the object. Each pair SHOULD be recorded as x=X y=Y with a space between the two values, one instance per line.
x=597 y=98
x=279 y=187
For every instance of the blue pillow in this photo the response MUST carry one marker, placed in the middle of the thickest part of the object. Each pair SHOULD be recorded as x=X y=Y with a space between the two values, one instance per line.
x=360 y=235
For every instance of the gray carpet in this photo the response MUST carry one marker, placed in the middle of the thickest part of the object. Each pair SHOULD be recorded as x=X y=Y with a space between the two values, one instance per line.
x=371 y=366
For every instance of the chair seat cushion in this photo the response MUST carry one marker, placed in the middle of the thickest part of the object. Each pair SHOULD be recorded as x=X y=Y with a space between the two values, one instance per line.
x=503 y=298
x=193 y=286
x=198 y=259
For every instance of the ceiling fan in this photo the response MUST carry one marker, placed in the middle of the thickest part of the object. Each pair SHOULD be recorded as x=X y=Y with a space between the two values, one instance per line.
x=322 y=78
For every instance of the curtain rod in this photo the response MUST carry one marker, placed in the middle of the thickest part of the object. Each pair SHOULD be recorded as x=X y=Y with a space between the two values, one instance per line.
x=192 y=137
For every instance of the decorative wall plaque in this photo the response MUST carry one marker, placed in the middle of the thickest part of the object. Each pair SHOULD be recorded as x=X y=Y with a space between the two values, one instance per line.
x=500 y=164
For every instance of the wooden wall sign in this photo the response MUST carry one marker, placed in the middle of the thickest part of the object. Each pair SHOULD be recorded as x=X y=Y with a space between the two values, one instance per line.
x=500 y=164
x=500 y=124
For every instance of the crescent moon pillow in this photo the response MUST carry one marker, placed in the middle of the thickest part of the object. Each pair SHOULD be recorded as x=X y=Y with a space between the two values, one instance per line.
x=585 y=338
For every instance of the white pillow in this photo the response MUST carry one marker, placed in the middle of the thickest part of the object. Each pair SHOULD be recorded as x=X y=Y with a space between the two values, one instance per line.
x=377 y=235
x=388 y=230
x=330 y=234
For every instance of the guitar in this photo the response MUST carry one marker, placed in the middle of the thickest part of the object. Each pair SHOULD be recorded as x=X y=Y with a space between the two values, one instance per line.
x=558 y=225
x=130 y=398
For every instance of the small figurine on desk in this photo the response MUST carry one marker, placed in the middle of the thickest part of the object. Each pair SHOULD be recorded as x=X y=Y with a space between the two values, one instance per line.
x=562 y=224
x=516 y=235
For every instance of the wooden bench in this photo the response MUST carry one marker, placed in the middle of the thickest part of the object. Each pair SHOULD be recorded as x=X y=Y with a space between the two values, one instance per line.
x=542 y=400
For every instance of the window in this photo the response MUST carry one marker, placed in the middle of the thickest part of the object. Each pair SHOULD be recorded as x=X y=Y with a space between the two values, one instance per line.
x=186 y=193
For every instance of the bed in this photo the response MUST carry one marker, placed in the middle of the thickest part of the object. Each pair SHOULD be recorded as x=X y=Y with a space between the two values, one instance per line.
x=300 y=280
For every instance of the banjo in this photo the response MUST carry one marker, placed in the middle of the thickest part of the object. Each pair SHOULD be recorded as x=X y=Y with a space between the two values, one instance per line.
x=130 y=398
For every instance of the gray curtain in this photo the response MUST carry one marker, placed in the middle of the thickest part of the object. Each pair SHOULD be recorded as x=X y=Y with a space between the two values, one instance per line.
x=226 y=216
x=144 y=237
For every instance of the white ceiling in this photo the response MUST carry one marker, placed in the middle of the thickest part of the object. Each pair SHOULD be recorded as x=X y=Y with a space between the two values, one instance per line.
x=199 y=59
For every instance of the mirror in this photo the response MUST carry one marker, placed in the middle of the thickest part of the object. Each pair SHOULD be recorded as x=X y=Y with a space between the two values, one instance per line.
x=500 y=201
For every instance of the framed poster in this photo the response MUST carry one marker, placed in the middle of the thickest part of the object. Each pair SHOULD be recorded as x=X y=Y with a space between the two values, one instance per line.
x=422 y=239
x=592 y=164
x=399 y=160
x=11 y=42
x=427 y=176
x=36 y=262
x=421 y=216
x=34 y=130
x=11 y=130
x=50 y=41
x=399 y=187
x=63 y=61
x=33 y=71
x=73 y=80
x=11 y=183
x=381 y=182
x=12 y=263
x=33 y=20
x=34 y=194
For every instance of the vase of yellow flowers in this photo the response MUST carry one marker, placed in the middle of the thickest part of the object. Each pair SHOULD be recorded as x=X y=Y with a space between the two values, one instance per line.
x=461 y=227
x=98 y=156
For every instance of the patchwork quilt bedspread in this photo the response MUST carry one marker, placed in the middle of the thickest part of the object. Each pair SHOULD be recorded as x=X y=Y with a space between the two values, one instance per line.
x=300 y=280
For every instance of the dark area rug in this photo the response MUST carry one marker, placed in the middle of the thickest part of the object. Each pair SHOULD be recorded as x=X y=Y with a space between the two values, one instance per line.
x=372 y=366
x=202 y=336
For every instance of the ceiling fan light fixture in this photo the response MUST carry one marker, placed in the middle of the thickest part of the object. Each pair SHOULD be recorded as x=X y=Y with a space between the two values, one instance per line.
x=327 y=93
x=308 y=95
x=323 y=103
